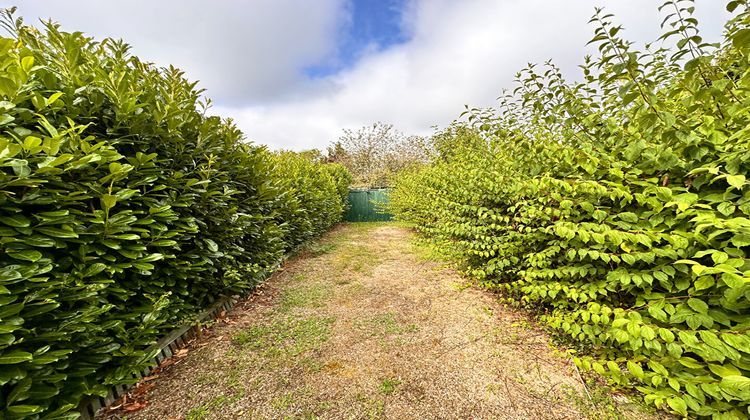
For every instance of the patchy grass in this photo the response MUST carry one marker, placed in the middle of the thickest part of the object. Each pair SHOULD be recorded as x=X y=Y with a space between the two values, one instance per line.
x=340 y=281
x=312 y=364
x=282 y=403
x=317 y=249
x=206 y=410
x=388 y=386
x=523 y=324
x=197 y=413
x=373 y=408
x=296 y=404
x=286 y=337
x=307 y=295
x=355 y=260
x=353 y=257
x=427 y=252
x=354 y=288
x=385 y=324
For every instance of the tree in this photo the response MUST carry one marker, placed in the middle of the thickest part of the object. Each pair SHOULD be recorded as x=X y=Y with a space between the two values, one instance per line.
x=374 y=153
x=313 y=155
x=336 y=153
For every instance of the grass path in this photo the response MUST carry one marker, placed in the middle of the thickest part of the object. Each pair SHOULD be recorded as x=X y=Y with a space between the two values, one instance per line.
x=361 y=326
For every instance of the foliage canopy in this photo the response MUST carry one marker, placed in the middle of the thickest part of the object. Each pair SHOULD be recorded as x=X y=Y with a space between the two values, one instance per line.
x=374 y=154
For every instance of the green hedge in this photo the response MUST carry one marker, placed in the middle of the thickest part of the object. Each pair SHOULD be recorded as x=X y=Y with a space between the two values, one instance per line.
x=617 y=209
x=307 y=188
x=124 y=210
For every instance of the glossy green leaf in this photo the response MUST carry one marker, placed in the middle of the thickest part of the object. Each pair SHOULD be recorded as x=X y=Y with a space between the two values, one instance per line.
x=14 y=357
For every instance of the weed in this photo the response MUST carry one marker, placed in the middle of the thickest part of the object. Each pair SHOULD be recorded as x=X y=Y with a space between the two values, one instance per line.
x=197 y=413
x=283 y=402
x=388 y=386
x=374 y=408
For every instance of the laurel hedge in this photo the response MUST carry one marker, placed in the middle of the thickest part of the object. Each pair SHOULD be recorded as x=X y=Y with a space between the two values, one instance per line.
x=309 y=196
x=124 y=210
x=616 y=208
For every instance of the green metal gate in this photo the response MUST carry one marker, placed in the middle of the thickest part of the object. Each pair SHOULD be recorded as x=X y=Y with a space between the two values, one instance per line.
x=366 y=206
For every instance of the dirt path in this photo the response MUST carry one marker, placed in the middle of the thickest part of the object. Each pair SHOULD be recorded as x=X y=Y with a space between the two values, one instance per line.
x=360 y=326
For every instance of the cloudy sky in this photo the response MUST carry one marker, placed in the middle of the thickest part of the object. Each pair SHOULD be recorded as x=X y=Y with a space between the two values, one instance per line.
x=294 y=73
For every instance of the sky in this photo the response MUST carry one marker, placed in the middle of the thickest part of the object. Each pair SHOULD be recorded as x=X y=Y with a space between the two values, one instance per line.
x=293 y=74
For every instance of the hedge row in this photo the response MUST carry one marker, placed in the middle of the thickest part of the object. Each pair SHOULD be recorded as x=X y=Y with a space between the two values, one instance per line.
x=124 y=210
x=616 y=208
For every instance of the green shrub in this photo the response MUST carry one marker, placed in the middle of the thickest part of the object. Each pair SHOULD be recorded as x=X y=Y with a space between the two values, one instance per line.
x=617 y=208
x=342 y=178
x=124 y=210
x=314 y=195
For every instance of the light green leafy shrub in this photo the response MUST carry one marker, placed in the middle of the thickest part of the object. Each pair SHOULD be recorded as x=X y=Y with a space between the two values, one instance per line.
x=617 y=209
x=124 y=210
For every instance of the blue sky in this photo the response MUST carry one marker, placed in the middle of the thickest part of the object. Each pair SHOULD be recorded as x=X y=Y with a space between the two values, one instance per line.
x=372 y=25
x=294 y=73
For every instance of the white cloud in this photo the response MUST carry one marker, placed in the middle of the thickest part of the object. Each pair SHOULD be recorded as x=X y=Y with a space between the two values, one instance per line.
x=249 y=55
x=463 y=52
x=242 y=52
